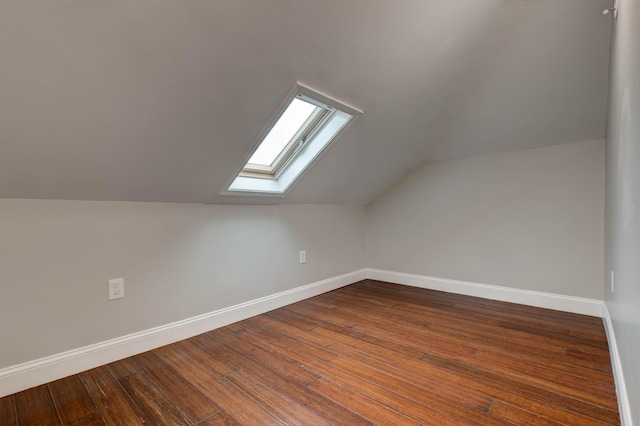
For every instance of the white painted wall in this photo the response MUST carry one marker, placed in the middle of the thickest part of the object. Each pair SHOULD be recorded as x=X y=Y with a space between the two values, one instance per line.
x=529 y=219
x=623 y=196
x=178 y=261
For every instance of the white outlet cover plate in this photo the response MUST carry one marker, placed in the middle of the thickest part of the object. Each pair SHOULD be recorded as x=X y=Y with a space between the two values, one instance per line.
x=116 y=288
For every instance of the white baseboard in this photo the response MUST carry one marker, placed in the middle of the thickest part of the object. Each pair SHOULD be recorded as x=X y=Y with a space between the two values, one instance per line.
x=33 y=373
x=621 y=387
x=539 y=299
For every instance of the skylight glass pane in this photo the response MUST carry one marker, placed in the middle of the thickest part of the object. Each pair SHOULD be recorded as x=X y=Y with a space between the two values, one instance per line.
x=307 y=125
x=280 y=135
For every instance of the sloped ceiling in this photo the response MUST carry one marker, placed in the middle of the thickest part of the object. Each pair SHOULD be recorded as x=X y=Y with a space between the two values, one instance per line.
x=159 y=100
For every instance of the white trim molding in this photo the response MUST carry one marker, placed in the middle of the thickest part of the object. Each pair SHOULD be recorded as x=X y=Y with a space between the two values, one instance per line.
x=33 y=373
x=621 y=387
x=558 y=302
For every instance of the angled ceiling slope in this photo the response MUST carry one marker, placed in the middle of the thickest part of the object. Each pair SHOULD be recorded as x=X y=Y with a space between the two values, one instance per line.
x=158 y=100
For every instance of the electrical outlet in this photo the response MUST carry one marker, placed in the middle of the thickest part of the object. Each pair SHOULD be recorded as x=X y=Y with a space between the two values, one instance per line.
x=116 y=288
x=303 y=256
x=611 y=282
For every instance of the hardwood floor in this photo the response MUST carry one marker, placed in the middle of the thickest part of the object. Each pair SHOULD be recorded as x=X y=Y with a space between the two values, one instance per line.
x=369 y=353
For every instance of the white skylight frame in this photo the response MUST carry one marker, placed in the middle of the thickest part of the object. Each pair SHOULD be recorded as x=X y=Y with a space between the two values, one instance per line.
x=306 y=118
x=332 y=120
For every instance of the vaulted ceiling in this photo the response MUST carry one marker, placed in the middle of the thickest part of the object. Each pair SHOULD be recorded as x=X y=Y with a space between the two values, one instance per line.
x=160 y=100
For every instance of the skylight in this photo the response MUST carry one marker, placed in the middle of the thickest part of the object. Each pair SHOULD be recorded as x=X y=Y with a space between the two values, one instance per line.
x=307 y=124
x=291 y=122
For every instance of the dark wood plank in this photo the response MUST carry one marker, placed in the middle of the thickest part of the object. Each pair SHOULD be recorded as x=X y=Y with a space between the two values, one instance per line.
x=412 y=401
x=190 y=400
x=426 y=383
x=490 y=306
x=124 y=367
x=211 y=384
x=93 y=420
x=7 y=411
x=260 y=391
x=154 y=404
x=510 y=390
x=586 y=389
x=365 y=407
x=220 y=418
x=72 y=400
x=113 y=403
x=261 y=367
x=467 y=385
x=497 y=310
x=284 y=407
x=269 y=352
x=518 y=416
x=417 y=401
x=35 y=407
x=422 y=334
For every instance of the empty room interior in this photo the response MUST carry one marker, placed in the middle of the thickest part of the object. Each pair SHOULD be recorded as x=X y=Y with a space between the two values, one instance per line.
x=319 y=212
